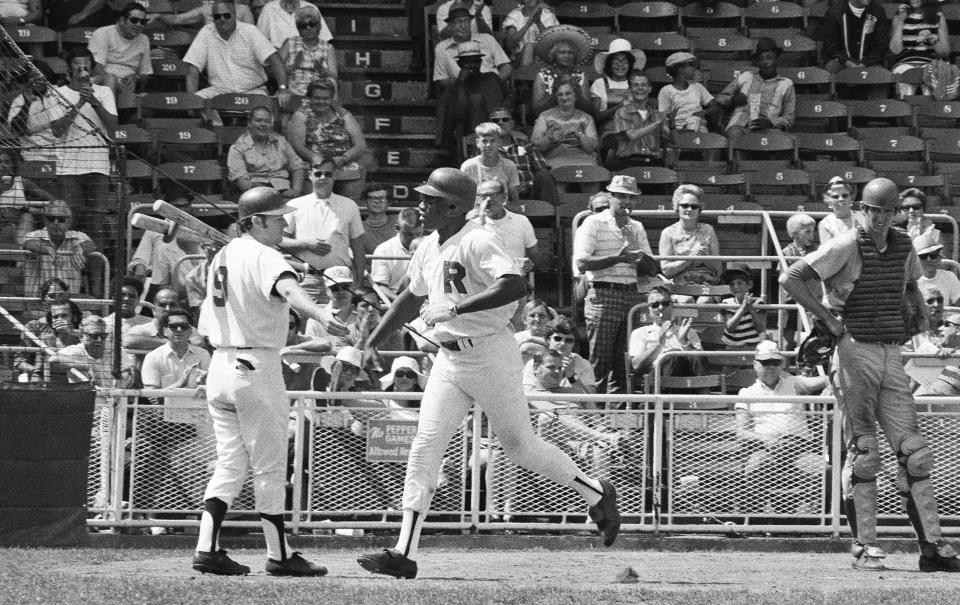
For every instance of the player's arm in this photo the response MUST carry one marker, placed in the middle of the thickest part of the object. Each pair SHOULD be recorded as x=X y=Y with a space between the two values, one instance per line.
x=404 y=308
x=300 y=301
x=793 y=281
x=504 y=290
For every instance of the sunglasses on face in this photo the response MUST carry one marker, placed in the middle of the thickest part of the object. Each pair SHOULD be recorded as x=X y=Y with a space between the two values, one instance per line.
x=659 y=303
x=564 y=339
x=909 y=208
x=323 y=174
x=179 y=326
x=222 y=16
x=137 y=20
x=930 y=256
x=951 y=324
x=935 y=299
x=404 y=374
x=55 y=219
x=336 y=288
x=770 y=363
x=96 y=335
x=349 y=368
x=307 y=24
x=689 y=206
x=501 y=120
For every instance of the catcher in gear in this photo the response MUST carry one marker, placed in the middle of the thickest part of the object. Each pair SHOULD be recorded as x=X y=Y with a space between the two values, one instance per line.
x=868 y=273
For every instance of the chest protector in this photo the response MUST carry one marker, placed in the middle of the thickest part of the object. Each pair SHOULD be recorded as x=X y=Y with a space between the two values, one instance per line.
x=874 y=310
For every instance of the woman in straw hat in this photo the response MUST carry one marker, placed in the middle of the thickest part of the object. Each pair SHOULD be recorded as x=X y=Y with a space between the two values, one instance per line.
x=563 y=49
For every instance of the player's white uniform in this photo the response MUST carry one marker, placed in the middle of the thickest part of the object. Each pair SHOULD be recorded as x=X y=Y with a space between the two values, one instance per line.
x=479 y=361
x=246 y=321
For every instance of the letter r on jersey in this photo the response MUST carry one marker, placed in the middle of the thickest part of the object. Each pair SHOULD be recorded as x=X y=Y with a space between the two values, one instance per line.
x=453 y=274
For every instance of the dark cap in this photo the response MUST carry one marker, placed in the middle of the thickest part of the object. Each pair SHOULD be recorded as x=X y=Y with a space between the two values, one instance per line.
x=458 y=11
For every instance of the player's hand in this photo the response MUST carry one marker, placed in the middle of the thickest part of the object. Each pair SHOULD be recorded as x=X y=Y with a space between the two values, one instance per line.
x=434 y=313
x=372 y=359
x=320 y=247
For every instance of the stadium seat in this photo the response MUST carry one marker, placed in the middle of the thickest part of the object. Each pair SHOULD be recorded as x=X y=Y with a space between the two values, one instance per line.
x=587 y=178
x=722 y=16
x=206 y=174
x=75 y=36
x=718 y=74
x=820 y=116
x=37 y=169
x=656 y=183
x=892 y=149
x=774 y=15
x=798 y=50
x=175 y=39
x=811 y=83
x=657 y=46
x=186 y=145
x=719 y=189
x=139 y=175
x=648 y=17
x=135 y=139
x=828 y=146
x=823 y=171
x=940 y=114
x=171 y=102
x=781 y=189
x=886 y=112
x=730 y=48
x=594 y=17
x=168 y=75
x=235 y=107
x=753 y=144
x=699 y=145
x=936 y=186
x=855 y=82
x=156 y=7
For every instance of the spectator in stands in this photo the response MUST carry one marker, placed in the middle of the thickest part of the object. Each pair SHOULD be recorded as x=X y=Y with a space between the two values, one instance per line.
x=171 y=268
x=599 y=202
x=946 y=384
x=61 y=252
x=54 y=290
x=16 y=218
x=686 y=101
x=378 y=227
x=326 y=228
x=82 y=13
x=566 y=135
x=233 y=55
x=31 y=114
x=404 y=377
x=802 y=229
x=121 y=52
x=20 y=12
x=613 y=251
x=536 y=182
x=612 y=88
x=278 y=20
x=661 y=335
x=86 y=357
x=918 y=35
x=481 y=18
x=391 y=274
x=196 y=282
x=950 y=331
x=131 y=289
x=783 y=451
x=147 y=254
x=359 y=322
x=839 y=195
x=307 y=57
x=855 y=33
x=84 y=167
x=149 y=336
x=745 y=325
x=323 y=126
x=201 y=15
x=56 y=330
x=514 y=230
x=489 y=163
x=913 y=203
x=261 y=156
x=563 y=49
x=522 y=26
x=761 y=100
x=298 y=375
x=537 y=316
x=468 y=94
x=930 y=339
x=928 y=249
x=460 y=22
x=639 y=129
x=576 y=372
x=689 y=237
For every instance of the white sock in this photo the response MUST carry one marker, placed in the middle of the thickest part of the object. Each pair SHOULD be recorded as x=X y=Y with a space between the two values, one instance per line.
x=409 y=538
x=588 y=488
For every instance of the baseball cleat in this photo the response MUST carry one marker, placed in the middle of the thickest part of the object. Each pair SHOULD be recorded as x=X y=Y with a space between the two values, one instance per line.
x=939 y=557
x=870 y=558
x=389 y=562
x=295 y=565
x=218 y=563
x=606 y=515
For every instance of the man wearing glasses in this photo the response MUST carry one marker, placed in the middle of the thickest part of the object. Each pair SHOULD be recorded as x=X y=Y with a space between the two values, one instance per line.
x=929 y=250
x=60 y=252
x=87 y=356
x=326 y=228
x=234 y=55
x=122 y=51
x=390 y=271
x=279 y=20
x=873 y=305
x=536 y=182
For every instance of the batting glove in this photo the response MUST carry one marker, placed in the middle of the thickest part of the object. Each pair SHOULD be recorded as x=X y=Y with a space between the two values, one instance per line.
x=434 y=313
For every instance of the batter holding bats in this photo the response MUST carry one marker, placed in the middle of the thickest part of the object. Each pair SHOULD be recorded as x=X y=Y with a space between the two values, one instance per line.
x=250 y=289
x=464 y=285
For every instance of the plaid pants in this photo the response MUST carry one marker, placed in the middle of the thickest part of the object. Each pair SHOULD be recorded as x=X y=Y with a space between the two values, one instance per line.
x=605 y=311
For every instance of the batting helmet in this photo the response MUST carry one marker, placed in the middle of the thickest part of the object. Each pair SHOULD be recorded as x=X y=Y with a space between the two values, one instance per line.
x=453 y=185
x=262 y=200
x=881 y=193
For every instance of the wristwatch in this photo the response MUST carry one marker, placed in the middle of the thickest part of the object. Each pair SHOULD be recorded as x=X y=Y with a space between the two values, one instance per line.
x=282 y=87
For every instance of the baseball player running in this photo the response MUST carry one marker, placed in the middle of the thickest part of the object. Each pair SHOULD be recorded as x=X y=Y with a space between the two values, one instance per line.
x=464 y=285
x=250 y=288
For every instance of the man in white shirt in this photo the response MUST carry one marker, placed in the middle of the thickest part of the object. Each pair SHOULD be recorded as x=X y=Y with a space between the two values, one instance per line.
x=325 y=231
x=928 y=249
x=122 y=51
x=277 y=21
x=390 y=273
x=514 y=230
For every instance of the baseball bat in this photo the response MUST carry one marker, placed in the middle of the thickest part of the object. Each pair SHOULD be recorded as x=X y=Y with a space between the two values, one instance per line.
x=189 y=221
x=164 y=226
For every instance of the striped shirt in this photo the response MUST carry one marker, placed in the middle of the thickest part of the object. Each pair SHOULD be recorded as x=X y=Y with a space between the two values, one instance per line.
x=67 y=263
x=744 y=334
x=599 y=235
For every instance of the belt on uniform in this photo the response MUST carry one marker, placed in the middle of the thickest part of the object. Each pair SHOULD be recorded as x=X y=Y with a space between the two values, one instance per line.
x=458 y=345
x=609 y=285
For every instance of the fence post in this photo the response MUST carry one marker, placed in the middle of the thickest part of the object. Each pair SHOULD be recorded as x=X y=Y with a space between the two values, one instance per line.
x=295 y=510
x=835 y=475
x=475 y=467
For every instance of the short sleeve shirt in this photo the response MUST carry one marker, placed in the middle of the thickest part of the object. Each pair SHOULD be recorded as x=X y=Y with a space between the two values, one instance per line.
x=389 y=272
x=505 y=172
x=235 y=64
x=118 y=55
x=335 y=220
x=599 y=235
x=685 y=102
x=515 y=232
x=446 y=66
x=776 y=419
x=467 y=263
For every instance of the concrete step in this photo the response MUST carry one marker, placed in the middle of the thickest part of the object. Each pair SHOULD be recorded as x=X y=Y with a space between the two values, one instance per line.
x=399 y=158
x=398 y=107
x=357 y=23
x=373 y=124
x=371 y=90
x=374 y=59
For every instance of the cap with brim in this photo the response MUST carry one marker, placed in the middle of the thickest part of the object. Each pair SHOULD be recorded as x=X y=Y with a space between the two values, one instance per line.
x=428 y=189
x=623 y=183
x=619 y=45
x=579 y=40
x=680 y=58
x=264 y=201
x=338 y=275
x=457 y=12
x=767 y=350
x=402 y=363
x=734 y=270
x=926 y=242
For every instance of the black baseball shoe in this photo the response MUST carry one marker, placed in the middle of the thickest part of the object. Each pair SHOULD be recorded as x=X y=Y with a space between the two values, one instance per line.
x=218 y=563
x=938 y=557
x=389 y=562
x=606 y=515
x=295 y=565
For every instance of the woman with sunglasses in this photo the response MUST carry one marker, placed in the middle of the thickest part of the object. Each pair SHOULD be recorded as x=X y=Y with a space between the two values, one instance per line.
x=307 y=56
x=913 y=205
x=689 y=237
x=577 y=372
x=404 y=377
x=664 y=334
x=839 y=195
